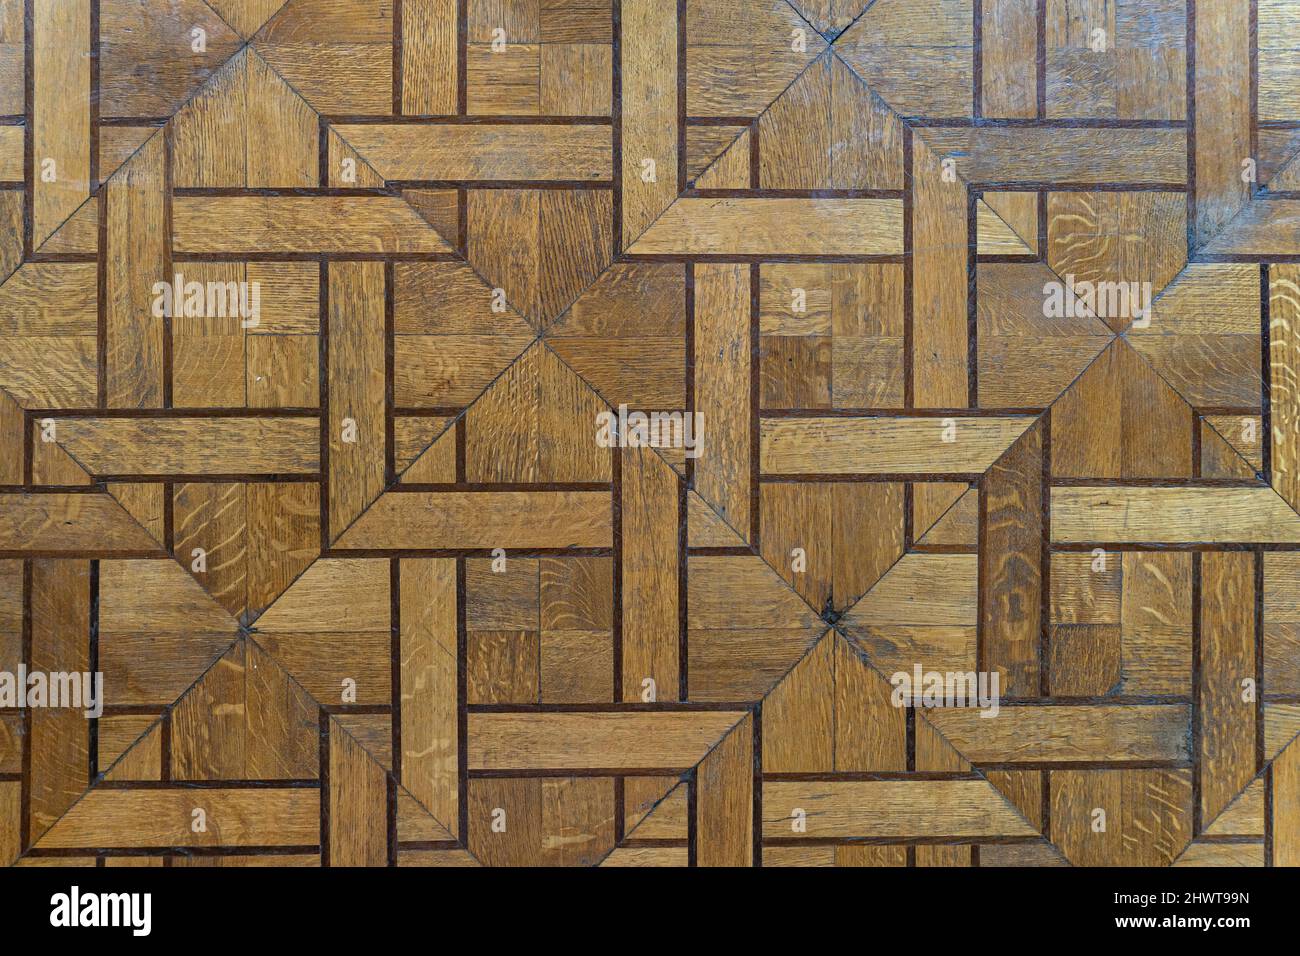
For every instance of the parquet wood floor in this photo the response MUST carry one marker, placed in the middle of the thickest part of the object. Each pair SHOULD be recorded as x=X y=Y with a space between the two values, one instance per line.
x=985 y=315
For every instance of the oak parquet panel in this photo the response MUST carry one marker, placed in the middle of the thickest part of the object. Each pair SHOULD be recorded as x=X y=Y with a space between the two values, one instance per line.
x=642 y=433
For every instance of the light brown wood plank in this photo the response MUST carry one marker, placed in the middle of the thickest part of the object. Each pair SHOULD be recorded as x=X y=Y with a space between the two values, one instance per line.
x=484 y=151
x=515 y=519
x=325 y=224
x=676 y=740
x=192 y=446
x=701 y=227
x=885 y=445
x=1170 y=515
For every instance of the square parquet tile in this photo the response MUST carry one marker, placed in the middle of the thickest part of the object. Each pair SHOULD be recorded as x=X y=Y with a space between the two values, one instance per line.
x=650 y=432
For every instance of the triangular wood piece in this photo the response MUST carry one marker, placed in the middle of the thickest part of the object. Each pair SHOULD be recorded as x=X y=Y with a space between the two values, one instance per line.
x=1238 y=457
x=180 y=60
x=440 y=208
x=708 y=529
x=741 y=71
x=140 y=759
x=117 y=144
x=650 y=815
x=731 y=168
x=1287 y=178
x=1019 y=211
x=934 y=751
x=436 y=464
x=542 y=246
x=1244 y=816
x=833 y=713
x=1281 y=728
x=52 y=465
x=626 y=335
x=959 y=525
x=705 y=145
x=799 y=715
x=246 y=16
x=931 y=501
x=374 y=732
x=355 y=764
x=347 y=167
x=1121 y=420
x=1119 y=251
x=1026 y=357
x=831 y=542
x=455 y=334
x=304 y=44
x=245 y=719
x=246 y=542
x=331 y=630
x=923 y=611
x=829 y=131
x=144 y=502
x=739 y=652
x=158 y=631
x=831 y=17
x=247 y=128
x=1203 y=337
x=1023 y=789
x=641 y=795
x=996 y=237
x=79 y=234
x=536 y=423
x=917 y=73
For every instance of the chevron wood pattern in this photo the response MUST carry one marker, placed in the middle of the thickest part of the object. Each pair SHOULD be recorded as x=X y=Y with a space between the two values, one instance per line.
x=967 y=532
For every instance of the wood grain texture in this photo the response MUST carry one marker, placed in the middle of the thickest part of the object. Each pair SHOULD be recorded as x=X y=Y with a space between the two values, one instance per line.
x=703 y=227
x=388 y=534
x=483 y=151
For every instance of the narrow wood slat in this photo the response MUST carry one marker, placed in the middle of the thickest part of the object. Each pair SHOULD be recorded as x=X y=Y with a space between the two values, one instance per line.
x=505 y=519
x=60 y=45
x=1121 y=515
x=650 y=91
x=885 y=445
x=60 y=743
x=442 y=151
x=940 y=350
x=825 y=227
x=358 y=792
x=1227 y=716
x=430 y=746
x=320 y=224
x=651 y=563
x=1010 y=552
x=1223 y=41
x=430 y=68
x=164 y=817
x=1284 y=380
x=1068 y=733
x=356 y=381
x=1010 y=36
x=725 y=801
x=135 y=260
x=1260 y=230
x=560 y=741
x=192 y=446
x=723 y=382
x=890 y=808
x=1063 y=155
x=69 y=522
